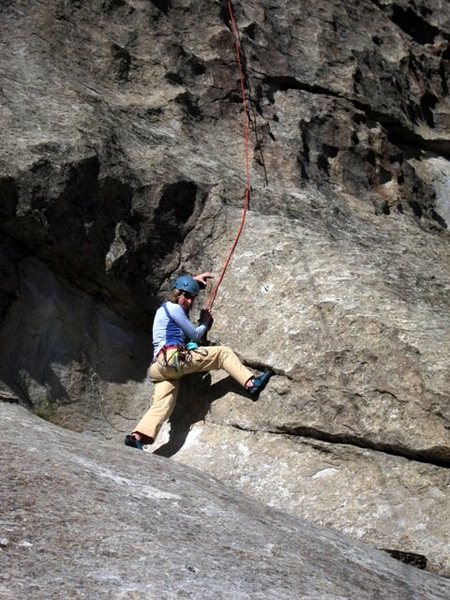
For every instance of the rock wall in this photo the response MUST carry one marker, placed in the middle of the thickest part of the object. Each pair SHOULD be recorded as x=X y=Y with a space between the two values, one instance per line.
x=122 y=165
x=144 y=527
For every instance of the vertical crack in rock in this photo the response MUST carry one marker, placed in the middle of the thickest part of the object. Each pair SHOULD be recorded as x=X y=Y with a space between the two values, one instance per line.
x=174 y=216
x=412 y=23
x=163 y=5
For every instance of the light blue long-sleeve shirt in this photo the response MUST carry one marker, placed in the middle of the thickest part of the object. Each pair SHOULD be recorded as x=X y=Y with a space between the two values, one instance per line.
x=172 y=327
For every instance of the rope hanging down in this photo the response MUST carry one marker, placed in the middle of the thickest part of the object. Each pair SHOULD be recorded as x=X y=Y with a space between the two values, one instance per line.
x=246 y=198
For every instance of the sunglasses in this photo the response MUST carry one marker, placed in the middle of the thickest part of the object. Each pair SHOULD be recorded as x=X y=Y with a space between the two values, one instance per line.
x=188 y=296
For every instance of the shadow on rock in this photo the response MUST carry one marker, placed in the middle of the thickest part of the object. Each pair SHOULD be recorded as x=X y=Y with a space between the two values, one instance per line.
x=195 y=397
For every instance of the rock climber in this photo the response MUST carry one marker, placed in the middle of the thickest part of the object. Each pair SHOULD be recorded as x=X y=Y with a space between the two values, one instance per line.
x=176 y=353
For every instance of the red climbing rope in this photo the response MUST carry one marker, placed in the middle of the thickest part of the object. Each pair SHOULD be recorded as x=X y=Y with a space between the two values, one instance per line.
x=212 y=295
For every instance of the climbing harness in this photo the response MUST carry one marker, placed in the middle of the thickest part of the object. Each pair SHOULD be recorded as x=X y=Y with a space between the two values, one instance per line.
x=174 y=357
x=246 y=197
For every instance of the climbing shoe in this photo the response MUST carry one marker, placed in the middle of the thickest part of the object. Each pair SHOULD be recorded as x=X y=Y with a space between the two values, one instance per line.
x=259 y=383
x=132 y=441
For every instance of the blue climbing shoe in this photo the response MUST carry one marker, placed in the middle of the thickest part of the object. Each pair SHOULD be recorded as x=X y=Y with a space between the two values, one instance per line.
x=132 y=441
x=259 y=383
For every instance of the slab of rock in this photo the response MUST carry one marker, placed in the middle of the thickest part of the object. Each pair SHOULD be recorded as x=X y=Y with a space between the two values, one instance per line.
x=84 y=519
x=122 y=165
x=387 y=501
x=359 y=337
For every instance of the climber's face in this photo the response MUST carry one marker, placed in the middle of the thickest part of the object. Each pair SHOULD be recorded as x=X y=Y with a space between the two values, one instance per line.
x=186 y=300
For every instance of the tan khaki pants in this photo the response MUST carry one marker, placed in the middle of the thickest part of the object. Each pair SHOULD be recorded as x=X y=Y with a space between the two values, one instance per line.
x=166 y=382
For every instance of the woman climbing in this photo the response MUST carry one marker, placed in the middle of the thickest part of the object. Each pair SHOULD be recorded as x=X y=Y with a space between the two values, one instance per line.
x=176 y=353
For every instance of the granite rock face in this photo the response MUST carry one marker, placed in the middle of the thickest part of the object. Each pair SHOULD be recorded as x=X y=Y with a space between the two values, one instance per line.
x=142 y=526
x=393 y=502
x=122 y=165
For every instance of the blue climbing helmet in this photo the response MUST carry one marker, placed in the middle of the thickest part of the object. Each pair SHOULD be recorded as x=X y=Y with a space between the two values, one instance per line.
x=186 y=283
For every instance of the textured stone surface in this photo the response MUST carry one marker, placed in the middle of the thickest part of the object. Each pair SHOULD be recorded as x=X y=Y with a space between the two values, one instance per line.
x=75 y=361
x=122 y=164
x=84 y=519
x=394 y=503
x=358 y=338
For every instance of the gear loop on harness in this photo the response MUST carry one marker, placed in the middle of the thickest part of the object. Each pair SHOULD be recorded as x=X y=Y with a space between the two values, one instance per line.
x=175 y=357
